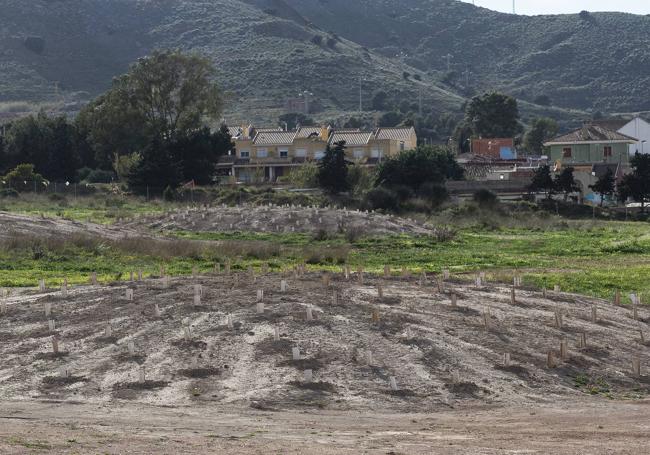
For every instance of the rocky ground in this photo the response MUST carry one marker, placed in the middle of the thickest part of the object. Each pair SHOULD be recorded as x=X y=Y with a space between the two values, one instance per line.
x=281 y=219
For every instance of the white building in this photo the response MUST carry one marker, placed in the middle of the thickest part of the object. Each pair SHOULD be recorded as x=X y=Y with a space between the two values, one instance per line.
x=637 y=128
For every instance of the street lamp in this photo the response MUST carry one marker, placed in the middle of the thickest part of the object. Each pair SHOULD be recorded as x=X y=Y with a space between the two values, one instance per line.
x=306 y=94
x=642 y=142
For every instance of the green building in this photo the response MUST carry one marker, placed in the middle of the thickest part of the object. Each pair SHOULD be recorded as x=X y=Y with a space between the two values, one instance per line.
x=589 y=145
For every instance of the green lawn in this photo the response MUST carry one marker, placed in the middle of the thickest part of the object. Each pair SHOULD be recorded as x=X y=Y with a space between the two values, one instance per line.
x=595 y=260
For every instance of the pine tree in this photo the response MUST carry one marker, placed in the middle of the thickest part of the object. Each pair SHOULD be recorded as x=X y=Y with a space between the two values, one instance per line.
x=333 y=170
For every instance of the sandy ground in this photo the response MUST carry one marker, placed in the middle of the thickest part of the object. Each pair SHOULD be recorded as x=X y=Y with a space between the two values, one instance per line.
x=280 y=219
x=581 y=427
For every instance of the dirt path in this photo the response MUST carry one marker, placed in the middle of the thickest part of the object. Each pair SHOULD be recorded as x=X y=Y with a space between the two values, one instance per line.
x=582 y=427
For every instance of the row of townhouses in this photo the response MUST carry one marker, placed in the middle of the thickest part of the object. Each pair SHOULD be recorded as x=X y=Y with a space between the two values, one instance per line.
x=270 y=153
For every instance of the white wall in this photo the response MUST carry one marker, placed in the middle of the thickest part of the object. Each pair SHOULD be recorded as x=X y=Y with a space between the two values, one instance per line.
x=639 y=129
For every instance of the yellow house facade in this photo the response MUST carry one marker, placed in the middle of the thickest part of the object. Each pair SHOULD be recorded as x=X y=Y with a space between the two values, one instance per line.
x=265 y=154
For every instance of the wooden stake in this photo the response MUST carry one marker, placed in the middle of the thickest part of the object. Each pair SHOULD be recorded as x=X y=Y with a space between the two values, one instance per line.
x=386 y=271
x=454 y=300
x=617 y=298
x=544 y=292
x=375 y=315
x=564 y=349
x=48 y=309
x=550 y=360
x=487 y=319
x=642 y=336
x=55 y=344
x=335 y=298
x=513 y=298
x=393 y=383
x=360 y=275
x=276 y=334
x=380 y=291
x=506 y=359
x=445 y=274
x=594 y=314
x=295 y=353
x=310 y=314
x=558 y=319
x=636 y=367
x=260 y=307
x=283 y=286
x=308 y=375
x=582 y=341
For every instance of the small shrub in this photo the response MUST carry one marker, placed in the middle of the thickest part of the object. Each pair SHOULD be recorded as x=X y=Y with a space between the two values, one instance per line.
x=382 y=198
x=35 y=44
x=8 y=192
x=169 y=194
x=485 y=198
x=320 y=235
x=317 y=40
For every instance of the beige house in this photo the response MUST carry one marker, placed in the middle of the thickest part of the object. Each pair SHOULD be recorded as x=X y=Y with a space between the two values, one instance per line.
x=264 y=154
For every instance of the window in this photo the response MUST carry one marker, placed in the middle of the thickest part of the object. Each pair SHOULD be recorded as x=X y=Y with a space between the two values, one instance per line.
x=245 y=154
x=375 y=153
x=566 y=152
x=358 y=153
x=319 y=155
x=401 y=146
x=301 y=153
x=607 y=151
x=284 y=153
x=262 y=153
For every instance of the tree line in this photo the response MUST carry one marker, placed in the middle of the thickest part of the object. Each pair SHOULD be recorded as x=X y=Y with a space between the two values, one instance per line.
x=151 y=128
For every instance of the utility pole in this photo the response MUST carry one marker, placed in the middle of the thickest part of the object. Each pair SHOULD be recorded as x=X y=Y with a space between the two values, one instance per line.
x=360 y=94
x=448 y=57
x=467 y=73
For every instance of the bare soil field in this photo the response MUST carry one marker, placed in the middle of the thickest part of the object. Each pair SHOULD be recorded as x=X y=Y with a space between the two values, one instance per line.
x=280 y=219
x=224 y=348
x=580 y=427
x=12 y=224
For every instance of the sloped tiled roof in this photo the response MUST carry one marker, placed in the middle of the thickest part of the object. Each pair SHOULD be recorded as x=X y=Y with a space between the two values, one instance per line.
x=613 y=124
x=268 y=130
x=306 y=131
x=591 y=133
x=274 y=138
x=351 y=138
x=600 y=169
x=398 y=134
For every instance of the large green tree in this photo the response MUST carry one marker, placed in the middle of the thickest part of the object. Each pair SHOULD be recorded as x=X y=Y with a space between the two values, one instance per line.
x=542 y=181
x=333 y=170
x=163 y=96
x=414 y=168
x=636 y=185
x=541 y=130
x=565 y=182
x=604 y=186
x=493 y=115
x=51 y=144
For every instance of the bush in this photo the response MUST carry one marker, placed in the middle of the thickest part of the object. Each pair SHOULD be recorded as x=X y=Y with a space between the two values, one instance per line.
x=100 y=176
x=382 y=198
x=23 y=178
x=485 y=198
x=8 y=192
x=317 y=40
x=169 y=194
x=434 y=193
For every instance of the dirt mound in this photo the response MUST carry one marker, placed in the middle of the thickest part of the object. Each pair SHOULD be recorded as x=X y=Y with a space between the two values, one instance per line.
x=282 y=219
x=41 y=227
x=227 y=352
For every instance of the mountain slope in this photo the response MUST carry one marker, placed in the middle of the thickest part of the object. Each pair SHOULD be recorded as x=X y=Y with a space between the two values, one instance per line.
x=599 y=60
x=269 y=50
x=263 y=58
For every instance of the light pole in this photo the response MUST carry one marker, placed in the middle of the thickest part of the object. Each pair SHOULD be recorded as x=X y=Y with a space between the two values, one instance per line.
x=642 y=143
x=306 y=94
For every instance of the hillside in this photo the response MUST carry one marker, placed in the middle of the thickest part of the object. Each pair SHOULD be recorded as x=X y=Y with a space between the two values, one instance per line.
x=262 y=58
x=597 y=61
x=66 y=52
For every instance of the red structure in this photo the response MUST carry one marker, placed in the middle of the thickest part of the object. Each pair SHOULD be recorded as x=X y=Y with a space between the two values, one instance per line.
x=491 y=147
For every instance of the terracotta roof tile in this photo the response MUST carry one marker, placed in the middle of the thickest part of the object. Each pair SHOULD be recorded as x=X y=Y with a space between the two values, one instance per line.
x=274 y=138
x=591 y=133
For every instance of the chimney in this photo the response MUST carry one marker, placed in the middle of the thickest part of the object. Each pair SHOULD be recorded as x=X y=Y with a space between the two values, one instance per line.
x=324 y=133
